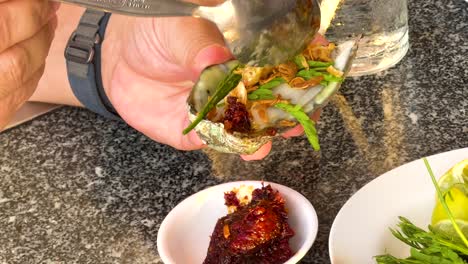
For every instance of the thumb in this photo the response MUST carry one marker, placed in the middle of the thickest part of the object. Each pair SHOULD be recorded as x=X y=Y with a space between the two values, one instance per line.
x=195 y=44
x=209 y=55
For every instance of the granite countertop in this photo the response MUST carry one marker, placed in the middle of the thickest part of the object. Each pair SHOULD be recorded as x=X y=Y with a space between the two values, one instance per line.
x=75 y=188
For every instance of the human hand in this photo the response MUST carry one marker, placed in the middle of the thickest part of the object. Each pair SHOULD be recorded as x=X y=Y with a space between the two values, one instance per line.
x=149 y=68
x=26 y=32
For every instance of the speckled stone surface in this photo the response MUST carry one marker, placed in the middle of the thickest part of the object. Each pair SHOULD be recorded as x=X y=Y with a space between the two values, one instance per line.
x=75 y=188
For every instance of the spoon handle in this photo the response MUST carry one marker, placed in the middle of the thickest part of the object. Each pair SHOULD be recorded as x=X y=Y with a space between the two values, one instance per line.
x=148 y=8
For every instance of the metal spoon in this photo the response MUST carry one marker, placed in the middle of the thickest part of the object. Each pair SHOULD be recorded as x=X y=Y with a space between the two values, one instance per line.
x=258 y=32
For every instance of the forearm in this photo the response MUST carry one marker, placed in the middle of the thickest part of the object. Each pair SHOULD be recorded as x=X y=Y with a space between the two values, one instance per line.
x=54 y=86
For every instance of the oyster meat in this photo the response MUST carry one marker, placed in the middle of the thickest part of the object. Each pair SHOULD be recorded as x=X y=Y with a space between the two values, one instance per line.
x=248 y=118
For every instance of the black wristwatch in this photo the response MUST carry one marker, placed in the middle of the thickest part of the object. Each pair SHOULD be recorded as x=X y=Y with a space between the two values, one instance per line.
x=83 y=58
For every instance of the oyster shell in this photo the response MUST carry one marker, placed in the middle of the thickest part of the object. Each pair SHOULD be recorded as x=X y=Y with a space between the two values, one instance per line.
x=311 y=99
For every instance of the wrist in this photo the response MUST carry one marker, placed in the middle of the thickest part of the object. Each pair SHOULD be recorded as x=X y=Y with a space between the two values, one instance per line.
x=83 y=54
x=111 y=49
x=54 y=85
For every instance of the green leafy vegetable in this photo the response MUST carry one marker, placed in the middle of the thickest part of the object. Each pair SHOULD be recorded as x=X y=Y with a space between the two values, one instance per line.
x=224 y=87
x=424 y=245
x=309 y=126
x=389 y=259
x=447 y=256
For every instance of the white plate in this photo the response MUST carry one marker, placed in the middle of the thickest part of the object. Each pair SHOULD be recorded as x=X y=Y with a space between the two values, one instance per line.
x=360 y=230
x=184 y=235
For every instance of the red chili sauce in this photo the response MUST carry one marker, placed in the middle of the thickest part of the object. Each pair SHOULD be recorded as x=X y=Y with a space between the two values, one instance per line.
x=256 y=233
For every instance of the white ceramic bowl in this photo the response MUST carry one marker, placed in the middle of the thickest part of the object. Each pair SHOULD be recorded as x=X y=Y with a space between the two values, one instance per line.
x=184 y=235
x=361 y=228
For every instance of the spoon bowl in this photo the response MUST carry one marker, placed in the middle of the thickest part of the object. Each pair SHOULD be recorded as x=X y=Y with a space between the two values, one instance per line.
x=258 y=32
x=265 y=32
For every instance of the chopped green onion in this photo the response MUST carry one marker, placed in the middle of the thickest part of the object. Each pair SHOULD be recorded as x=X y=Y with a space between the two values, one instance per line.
x=308 y=74
x=257 y=96
x=253 y=97
x=301 y=61
x=332 y=78
x=261 y=95
x=273 y=83
x=320 y=69
x=264 y=91
x=304 y=74
x=267 y=97
x=319 y=63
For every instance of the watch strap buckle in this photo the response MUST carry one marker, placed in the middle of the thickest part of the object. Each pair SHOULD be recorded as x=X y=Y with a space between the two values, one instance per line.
x=80 y=48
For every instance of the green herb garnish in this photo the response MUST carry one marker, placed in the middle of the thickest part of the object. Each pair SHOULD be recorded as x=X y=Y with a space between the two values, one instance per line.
x=261 y=94
x=254 y=97
x=320 y=69
x=264 y=92
x=327 y=77
x=319 y=63
x=332 y=78
x=273 y=83
x=301 y=61
x=425 y=246
x=308 y=74
x=224 y=87
x=309 y=126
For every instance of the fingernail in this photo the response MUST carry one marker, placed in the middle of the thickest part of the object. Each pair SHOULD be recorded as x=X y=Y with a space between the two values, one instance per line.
x=260 y=154
x=249 y=158
x=294 y=132
x=211 y=55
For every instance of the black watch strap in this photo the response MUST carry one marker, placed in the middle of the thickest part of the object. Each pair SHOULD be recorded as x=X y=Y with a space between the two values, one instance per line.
x=83 y=58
